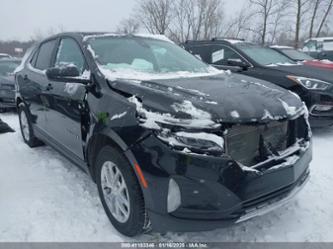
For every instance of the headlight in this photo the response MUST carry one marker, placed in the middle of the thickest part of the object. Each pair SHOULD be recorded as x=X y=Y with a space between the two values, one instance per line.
x=311 y=84
x=201 y=143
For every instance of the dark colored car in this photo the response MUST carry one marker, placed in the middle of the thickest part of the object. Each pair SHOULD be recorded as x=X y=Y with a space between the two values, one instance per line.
x=313 y=85
x=306 y=59
x=7 y=83
x=320 y=48
x=171 y=142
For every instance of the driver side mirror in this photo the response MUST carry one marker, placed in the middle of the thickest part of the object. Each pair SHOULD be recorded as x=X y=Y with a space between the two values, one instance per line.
x=70 y=74
x=238 y=63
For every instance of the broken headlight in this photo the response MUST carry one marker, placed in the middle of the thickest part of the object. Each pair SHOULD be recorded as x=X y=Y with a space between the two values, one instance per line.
x=310 y=84
x=196 y=142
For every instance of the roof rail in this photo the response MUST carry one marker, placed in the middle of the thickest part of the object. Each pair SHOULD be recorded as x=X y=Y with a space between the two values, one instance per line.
x=227 y=38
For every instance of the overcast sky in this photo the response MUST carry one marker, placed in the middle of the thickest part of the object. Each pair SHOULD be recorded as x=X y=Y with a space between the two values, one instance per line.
x=21 y=19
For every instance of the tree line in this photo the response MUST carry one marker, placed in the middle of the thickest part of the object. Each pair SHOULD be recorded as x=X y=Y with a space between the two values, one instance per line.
x=287 y=22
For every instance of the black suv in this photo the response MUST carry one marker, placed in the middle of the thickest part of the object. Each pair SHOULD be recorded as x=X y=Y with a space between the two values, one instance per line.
x=171 y=142
x=313 y=85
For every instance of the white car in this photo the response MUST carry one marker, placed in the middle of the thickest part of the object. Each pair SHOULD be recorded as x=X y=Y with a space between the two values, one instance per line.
x=320 y=48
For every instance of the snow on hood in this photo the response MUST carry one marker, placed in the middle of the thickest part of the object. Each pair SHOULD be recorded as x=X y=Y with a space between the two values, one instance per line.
x=221 y=98
x=152 y=120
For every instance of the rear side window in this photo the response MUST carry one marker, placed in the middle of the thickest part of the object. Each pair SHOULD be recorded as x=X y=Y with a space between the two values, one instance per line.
x=221 y=54
x=69 y=53
x=44 y=57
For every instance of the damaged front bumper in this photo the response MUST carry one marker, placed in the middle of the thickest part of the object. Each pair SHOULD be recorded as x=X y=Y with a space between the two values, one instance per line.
x=216 y=191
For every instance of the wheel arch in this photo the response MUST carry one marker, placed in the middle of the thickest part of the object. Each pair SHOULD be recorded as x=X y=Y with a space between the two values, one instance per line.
x=109 y=137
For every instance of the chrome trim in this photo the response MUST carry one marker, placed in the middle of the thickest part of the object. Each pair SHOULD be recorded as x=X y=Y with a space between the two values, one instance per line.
x=261 y=210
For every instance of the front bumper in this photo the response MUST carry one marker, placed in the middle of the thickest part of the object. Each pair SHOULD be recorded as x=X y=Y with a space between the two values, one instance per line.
x=215 y=191
x=169 y=222
x=320 y=119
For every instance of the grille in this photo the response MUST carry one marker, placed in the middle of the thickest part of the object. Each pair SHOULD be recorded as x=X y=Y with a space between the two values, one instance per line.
x=251 y=145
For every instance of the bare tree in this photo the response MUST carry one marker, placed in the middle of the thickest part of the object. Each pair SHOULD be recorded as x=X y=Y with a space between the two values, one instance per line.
x=196 y=19
x=302 y=7
x=240 y=25
x=155 y=15
x=128 y=26
x=270 y=14
x=324 y=19
x=315 y=6
x=263 y=9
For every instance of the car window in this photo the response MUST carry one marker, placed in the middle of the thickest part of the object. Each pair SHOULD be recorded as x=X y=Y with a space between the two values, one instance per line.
x=265 y=56
x=69 y=53
x=143 y=55
x=221 y=54
x=328 y=45
x=201 y=52
x=45 y=55
x=310 y=46
x=8 y=67
x=297 y=55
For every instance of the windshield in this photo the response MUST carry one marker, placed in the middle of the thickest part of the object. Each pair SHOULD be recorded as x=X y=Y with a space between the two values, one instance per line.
x=7 y=67
x=137 y=56
x=297 y=55
x=265 y=56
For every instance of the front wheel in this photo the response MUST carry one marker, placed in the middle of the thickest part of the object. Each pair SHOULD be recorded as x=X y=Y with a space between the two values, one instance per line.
x=120 y=192
x=26 y=127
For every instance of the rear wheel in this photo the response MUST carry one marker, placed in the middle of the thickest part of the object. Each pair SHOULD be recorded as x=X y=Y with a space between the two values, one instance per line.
x=120 y=192
x=26 y=127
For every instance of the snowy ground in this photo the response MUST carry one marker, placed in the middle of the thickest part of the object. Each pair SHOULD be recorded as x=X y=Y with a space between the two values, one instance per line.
x=43 y=197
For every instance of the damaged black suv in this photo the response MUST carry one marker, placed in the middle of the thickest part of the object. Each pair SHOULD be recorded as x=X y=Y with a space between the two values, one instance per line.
x=172 y=143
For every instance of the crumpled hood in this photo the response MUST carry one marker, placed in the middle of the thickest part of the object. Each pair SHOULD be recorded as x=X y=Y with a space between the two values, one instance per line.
x=227 y=97
x=307 y=71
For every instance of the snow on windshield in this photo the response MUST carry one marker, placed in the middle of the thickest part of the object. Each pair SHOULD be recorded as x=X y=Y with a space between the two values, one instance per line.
x=143 y=58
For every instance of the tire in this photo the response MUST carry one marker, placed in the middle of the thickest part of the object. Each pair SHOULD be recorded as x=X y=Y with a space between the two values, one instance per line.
x=133 y=220
x=26 y=127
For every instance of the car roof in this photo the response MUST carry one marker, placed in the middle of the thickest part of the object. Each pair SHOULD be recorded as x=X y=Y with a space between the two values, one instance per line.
x=83 y=35
x=10 y=60
x=281 y=47
x=321 y=39
x=230 y=41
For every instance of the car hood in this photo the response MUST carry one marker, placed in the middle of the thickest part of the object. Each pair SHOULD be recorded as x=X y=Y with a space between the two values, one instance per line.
x=231 y=98
x=307 y=71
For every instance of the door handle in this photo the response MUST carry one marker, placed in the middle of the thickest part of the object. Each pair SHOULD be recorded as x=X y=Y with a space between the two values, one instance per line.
x=49 y=87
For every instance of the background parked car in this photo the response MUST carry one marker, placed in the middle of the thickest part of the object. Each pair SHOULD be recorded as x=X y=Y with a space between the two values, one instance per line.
x=319 y=48
x=4 y=56
x=7 y=83
x=299 y=56
x=313 y=85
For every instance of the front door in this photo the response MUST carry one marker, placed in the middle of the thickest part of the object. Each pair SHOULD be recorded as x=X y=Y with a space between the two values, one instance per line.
x=67 y=101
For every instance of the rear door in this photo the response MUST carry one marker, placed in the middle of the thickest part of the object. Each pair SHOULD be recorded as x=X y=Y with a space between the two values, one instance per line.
x=218 y=55
x=67 y=100
x=33 y=83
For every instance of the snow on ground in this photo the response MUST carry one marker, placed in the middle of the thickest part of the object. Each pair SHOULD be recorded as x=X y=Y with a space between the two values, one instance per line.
x=43 y=197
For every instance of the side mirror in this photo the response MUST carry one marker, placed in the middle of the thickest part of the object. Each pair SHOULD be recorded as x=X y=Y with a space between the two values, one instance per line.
x=238 y=63
x=70 y=74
